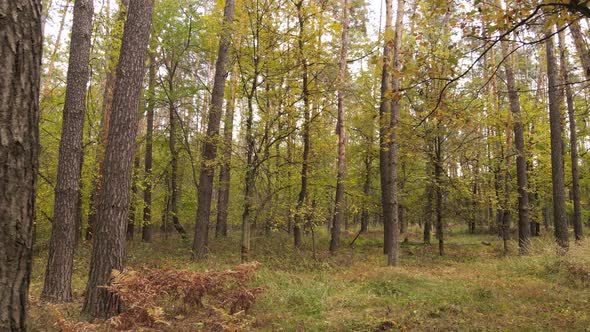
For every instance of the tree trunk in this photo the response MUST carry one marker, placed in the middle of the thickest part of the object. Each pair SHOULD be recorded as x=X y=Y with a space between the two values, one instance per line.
x=581 y=48
x=210 y=148
x=20 y=70
x=58 y=275
x=557 y=172
x=133 y=204
x=107 y=106
x=224 y=172
x=173 y=186
x=53 y=57
x=438 y=194
x=524 y=242
x=109 y=243
x=302 y=198
x=577 y=217
x=341 y=132
x=146 y=231
x=384 y=128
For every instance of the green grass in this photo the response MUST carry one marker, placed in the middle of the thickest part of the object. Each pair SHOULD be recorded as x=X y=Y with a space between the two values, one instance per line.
x=473 y=287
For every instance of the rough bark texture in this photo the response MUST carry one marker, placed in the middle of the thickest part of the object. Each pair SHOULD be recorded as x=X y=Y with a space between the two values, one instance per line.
x=58 y=275
x=20 y=51
x=581 y=48
x=109 y=241
x=224 y=171
x=341 y=132
x=107 y=107
x=210 y=147
x=569 y=98
x=146 y=230
x=524 y=242
x=557 y=172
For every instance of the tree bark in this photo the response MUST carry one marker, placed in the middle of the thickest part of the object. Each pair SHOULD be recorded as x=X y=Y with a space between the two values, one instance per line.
x=577 y=217
x=109 y=241
x=107 y=106
x=581 y=48
x=524 y=241
x=557 y=172
x=173 y=186
x=210 y=147
x=20 y=71
x=146 y=230
x=133 y=204
x=58 y=275
x=341 y=132
x=224 y=172
x=302 y=198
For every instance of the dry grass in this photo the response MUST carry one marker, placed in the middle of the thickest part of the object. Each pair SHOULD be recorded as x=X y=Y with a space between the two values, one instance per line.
x=472 y=288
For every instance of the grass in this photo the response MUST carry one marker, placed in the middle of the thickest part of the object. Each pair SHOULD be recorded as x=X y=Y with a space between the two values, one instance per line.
x=473 y=287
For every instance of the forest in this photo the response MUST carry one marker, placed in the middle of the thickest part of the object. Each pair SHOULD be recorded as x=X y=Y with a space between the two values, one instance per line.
x=294 y=165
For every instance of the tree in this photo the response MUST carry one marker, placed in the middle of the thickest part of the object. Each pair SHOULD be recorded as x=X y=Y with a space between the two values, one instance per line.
x=108 y=250
x=210 y=146
x=58 y=275
x=20 y=70
x=341 y=132
x=146 y=230
x=569 y=98
x=557 y=172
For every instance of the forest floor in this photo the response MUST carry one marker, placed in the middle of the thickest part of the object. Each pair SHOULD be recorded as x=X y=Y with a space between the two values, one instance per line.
x=473 y=287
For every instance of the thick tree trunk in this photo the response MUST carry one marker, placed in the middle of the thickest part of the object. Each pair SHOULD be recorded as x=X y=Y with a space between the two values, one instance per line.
x=210 y=147
x=146 y=230
x=524 y=242
x=58 y=275
x=20 y=71
x=557 y=172
x=577 y=217
x=341 y=132
x=109 y=241
x=224 y=171
x=107 y=106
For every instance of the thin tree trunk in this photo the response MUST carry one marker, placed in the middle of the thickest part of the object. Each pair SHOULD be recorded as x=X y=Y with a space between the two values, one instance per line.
x=173 y=186
x=302 y=198
x=577 y=217
x=557 y=172
x=20 y=72
x=53 y=57
x=210 y=148
x=524 y=242
x=109 y=243
x=225 y=170
x=58 y=275
x=581 y=48
x=341 y=132
x=438 y=194
x=133 y=204
x=146 y=231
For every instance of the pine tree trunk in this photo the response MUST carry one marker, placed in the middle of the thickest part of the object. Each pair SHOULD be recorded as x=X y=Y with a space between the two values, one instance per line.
x=341 y=132
x=524 y=242
x=146 y=230
x=133 y=204
x=210 y=147
x=108 y=251
x=557 y=172
x=107 y=106
x=20 y=70
x=58 y=275
x=224 y=172
x=577 y=217
x=581 y=48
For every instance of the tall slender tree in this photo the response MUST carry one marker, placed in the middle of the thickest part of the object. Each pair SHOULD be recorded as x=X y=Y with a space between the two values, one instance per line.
x=557 y=172
x=108 y=251
x=146 y=229
x=20 y=71
x=210 y=147
x=341 y=131
x=58 y=275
